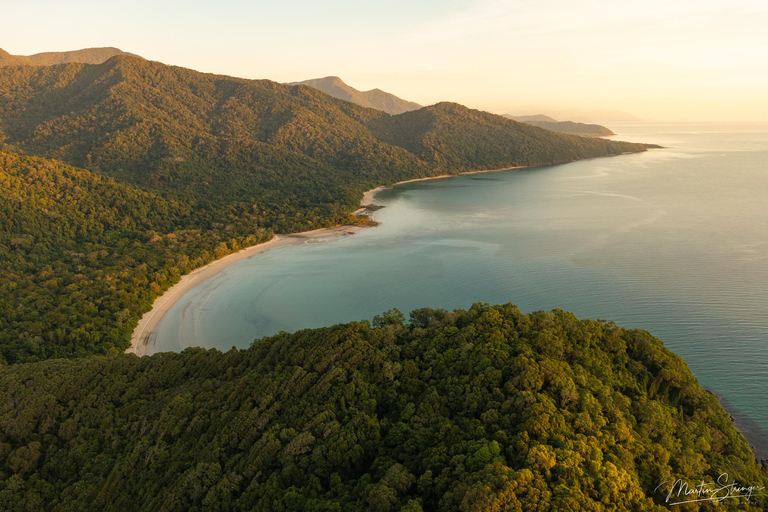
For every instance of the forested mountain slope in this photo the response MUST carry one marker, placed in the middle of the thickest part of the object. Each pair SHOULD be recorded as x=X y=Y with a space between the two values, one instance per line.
x=475 y=410
x=211 y=163
x=450 y=136
x=178 y=130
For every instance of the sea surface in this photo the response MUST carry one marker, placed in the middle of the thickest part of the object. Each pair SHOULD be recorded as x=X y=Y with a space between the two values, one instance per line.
x=674 y=241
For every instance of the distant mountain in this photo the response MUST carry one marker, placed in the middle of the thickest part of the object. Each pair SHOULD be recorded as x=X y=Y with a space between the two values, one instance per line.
x=375 y=98
x=574 y=128
x=85 y=56
x=570 y=127
x=581 y=116
x=173 y=129
x=528 y=119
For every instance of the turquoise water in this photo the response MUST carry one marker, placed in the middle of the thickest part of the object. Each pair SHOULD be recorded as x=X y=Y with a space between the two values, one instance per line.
x=674 y=241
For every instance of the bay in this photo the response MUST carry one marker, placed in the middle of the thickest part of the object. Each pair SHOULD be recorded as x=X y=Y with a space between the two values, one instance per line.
x=673 y=241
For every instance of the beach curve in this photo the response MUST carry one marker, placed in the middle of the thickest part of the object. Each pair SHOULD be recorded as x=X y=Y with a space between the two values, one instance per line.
x=143 y=337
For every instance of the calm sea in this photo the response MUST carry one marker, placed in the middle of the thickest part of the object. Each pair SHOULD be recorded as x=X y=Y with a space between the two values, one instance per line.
x=674 y=241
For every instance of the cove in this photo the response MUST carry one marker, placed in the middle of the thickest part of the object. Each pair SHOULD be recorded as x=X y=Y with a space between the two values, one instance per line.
x=672 y=241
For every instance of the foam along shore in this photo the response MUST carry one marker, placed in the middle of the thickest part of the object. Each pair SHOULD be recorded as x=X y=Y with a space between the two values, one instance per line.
x=144 y=336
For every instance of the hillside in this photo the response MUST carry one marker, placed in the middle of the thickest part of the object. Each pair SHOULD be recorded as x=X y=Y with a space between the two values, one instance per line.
x=82 y=257
x=85 y=56
x=451 y=136
x=231 y=161
x=173 y=129
x=472 y=410
x=6 y=59
x=569 y=127
x=375 y=98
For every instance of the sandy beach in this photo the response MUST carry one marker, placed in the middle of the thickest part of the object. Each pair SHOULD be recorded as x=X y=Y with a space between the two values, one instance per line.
x=143 y=336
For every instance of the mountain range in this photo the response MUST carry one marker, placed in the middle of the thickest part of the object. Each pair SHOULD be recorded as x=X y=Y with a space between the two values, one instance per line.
x=380 y=100
x=85 y=56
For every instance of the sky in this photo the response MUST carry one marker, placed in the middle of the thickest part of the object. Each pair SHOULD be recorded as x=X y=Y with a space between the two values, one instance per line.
x=659 y=60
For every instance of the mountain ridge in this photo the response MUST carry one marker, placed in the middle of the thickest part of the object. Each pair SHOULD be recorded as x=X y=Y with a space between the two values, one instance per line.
x=84 y=56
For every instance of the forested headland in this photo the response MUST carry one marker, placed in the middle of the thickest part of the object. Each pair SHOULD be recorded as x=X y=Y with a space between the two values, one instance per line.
x=475 y=410
x=571 y=127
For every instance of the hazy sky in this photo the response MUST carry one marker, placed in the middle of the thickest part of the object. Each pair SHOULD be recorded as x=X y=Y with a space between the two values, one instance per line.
x=667 y=60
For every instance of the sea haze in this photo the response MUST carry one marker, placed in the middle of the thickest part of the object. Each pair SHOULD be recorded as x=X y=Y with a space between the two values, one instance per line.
x=674 y=241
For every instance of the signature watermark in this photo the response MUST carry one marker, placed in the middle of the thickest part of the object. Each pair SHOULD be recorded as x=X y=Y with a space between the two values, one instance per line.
x=721 y=490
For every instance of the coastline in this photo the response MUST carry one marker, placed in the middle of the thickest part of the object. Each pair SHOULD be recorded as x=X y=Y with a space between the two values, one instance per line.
x=143 y=335
x=369 y=195
x=756 y=436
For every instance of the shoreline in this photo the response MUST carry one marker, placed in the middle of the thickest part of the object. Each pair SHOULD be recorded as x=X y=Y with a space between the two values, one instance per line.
x=755 y=435
x=368 y=196
x=143 y=335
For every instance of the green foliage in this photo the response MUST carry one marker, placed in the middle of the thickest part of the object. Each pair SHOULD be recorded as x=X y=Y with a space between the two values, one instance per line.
x=204 y=164
x=431 y=415
x=392 y=317
x=82 y=257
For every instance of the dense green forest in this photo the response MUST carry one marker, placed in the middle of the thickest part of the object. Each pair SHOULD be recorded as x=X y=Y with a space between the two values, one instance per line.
x=476 y=410
x=200 y=165
x=82 y=257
